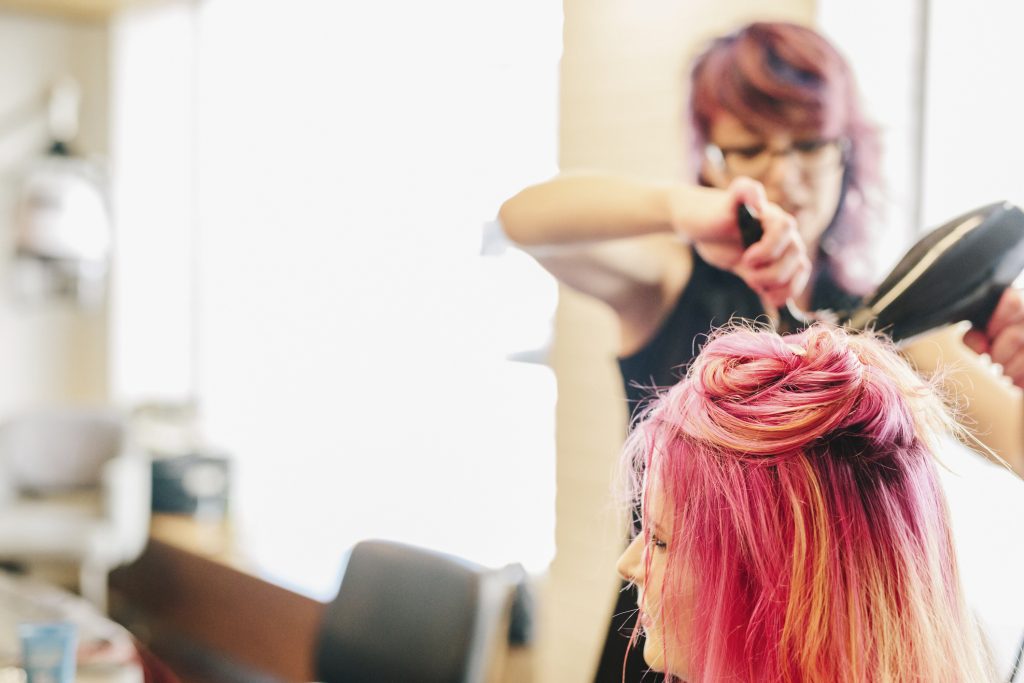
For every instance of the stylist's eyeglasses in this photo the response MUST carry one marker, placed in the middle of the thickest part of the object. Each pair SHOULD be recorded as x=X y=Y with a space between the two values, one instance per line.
x=754 y=161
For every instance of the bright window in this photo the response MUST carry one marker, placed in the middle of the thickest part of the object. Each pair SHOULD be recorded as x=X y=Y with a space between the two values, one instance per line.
x=351 y=344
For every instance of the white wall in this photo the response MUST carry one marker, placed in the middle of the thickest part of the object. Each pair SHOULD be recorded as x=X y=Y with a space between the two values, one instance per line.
x=886 y=57
x=51 y=353
x=973 y=141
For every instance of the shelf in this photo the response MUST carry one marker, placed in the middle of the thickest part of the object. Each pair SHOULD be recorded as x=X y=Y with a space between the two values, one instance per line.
x=77 y=10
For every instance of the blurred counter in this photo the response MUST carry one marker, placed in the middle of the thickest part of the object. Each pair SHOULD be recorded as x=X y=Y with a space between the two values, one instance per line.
x=106 y=653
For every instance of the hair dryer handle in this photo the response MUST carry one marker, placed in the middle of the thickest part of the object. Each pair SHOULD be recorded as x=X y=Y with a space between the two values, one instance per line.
x=750 y=226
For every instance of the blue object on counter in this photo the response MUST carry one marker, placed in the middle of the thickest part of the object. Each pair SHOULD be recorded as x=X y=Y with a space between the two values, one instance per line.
x=48 y=651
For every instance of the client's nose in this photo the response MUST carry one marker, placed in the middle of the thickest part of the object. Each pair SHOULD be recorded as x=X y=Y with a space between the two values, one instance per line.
x=630 y=562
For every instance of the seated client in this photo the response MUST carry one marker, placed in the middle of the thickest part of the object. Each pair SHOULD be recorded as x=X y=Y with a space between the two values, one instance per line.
x=793 y=524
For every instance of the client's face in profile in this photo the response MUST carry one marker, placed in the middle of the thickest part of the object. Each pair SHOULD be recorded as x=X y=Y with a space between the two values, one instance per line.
x=644 y=563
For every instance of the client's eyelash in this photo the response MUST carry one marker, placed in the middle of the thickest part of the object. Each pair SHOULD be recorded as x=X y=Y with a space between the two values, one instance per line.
x=657 y=542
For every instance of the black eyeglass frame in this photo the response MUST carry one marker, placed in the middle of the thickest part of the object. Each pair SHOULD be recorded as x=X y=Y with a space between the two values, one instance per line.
x=718 y=155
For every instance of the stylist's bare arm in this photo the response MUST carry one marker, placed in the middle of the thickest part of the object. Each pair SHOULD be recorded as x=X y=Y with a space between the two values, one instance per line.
x=575 y=211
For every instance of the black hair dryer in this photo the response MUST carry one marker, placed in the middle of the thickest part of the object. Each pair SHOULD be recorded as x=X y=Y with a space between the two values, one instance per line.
x=956 y=272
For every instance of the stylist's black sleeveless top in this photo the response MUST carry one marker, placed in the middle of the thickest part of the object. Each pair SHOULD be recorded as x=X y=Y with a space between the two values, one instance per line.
x=710 y=299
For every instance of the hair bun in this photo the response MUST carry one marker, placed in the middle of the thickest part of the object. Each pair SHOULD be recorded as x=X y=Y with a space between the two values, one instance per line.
x=767 y=395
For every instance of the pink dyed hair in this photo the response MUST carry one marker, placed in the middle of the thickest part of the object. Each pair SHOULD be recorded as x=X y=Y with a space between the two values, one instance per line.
x=809 y=522
x=778 y=76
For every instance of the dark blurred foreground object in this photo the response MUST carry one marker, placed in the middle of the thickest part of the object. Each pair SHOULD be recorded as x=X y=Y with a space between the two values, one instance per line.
x=408 y=614
x=956 y=272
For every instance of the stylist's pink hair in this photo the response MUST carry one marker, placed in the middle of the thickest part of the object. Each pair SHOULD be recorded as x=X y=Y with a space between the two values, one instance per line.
x=782 y=76
x=810 y=528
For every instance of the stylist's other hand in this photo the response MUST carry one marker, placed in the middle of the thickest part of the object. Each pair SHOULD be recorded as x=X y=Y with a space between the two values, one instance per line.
x=1003 y=337
x=777 y=266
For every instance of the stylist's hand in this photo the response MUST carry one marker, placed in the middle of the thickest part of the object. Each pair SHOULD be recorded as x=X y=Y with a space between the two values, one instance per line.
x=1003 y=337
x=776 y=267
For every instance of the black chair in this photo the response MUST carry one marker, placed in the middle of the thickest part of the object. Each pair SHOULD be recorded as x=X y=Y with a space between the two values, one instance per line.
x=413 y=615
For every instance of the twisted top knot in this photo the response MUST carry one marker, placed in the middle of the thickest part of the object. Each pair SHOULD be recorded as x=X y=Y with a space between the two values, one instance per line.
x=760 y=394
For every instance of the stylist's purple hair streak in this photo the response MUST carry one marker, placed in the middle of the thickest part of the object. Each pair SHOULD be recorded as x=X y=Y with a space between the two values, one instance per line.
x=808 y=514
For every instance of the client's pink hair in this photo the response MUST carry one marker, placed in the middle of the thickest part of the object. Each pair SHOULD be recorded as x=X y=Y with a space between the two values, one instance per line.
x=810 y=526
